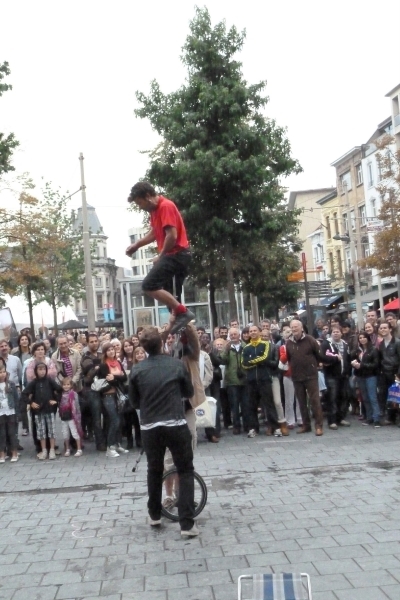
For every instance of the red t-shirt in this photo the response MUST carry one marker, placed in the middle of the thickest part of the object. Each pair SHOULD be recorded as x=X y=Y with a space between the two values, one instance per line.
x=167 y=215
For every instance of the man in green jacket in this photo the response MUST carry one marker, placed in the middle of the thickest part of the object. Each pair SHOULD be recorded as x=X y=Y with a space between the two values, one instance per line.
x=235 y=380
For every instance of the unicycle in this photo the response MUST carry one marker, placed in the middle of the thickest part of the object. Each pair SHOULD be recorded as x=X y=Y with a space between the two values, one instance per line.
x=170 y=492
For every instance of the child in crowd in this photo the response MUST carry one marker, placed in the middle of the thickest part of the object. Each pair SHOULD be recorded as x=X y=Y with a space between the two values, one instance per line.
x=41 y=394
x=8 y=419
x=70 y=417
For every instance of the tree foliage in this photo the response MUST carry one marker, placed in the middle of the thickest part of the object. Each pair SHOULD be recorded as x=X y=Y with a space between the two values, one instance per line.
x=8 y=143
x=220 y=157
x=386 y=254
x=41 y=253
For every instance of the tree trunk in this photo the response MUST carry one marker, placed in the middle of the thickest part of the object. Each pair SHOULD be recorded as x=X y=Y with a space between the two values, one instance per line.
x=213 y=307
x=30 y=309
x=233 y=311
x=54 y=307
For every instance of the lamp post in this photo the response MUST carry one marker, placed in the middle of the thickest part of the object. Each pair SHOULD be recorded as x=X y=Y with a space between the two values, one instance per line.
x=86 y=251
x=350 y=239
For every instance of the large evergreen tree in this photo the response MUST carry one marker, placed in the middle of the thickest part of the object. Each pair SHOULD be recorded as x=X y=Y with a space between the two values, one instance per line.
x=220 y=157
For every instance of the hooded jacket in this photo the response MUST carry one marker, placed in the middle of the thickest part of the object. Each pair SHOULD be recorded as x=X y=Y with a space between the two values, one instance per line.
x=260 y=360
x=40 y=391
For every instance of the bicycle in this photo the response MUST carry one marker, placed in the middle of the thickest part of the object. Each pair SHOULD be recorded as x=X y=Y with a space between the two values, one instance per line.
x=170 y=494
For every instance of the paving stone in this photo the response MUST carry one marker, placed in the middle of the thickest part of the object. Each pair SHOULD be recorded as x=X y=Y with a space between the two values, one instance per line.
x=210 y=578
x=392 y=591
x=326 y=567
x=168 y=582
x=115 y=586
x=366 y=593
x=78 y=590
x=43 y=593
x=200 y=593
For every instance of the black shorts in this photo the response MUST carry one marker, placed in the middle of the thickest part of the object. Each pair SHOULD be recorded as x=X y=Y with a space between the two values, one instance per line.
x=166 y=268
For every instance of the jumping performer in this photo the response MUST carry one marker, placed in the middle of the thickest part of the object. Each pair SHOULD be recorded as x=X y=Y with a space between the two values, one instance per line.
x=168 y=230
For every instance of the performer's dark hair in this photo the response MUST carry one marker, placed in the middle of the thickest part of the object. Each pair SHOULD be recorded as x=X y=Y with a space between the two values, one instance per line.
x=141 y=189
x=151 y=340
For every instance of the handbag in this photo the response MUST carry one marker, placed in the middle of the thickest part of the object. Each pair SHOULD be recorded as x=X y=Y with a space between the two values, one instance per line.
x=122 y=401
x=204 y=415
x=99 y=384
x=394 y=393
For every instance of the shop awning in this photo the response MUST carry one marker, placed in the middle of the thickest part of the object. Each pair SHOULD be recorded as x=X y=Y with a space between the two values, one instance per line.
x=393 y=305
x=331 y=300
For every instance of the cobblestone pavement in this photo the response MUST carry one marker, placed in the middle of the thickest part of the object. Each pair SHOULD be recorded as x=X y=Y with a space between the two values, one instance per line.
x=76 y=528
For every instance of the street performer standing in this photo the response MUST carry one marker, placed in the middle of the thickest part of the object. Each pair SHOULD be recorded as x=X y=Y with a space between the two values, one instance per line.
x=156 y=388
x=168 y=230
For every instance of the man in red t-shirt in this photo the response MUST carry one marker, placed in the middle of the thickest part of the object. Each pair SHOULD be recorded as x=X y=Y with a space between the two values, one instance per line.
x=168 y=230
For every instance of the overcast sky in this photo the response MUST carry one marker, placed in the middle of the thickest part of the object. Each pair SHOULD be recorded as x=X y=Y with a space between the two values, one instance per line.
x=76 y=66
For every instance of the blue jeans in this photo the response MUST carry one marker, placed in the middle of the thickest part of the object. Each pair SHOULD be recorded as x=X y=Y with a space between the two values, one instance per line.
x=239 y=398
x=368 y=387
x=110 y=406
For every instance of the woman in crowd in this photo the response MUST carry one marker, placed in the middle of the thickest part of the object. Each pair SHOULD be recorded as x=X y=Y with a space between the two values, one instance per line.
x=365 y=362
x=129 y=418
x=135 y=341
x=23 y=352
x=112 y=371
x=245 y=335
x=38 y=356
x=117 y=347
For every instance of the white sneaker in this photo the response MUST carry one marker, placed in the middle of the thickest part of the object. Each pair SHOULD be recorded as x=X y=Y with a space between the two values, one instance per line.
x=120 y=449
x=14 y=459
x=78 y=453
x=52 y=454
x=154 y=522
x=42 y=455
x=191 y=532
x=252 y=433
x=278 y=433
x=111 y=452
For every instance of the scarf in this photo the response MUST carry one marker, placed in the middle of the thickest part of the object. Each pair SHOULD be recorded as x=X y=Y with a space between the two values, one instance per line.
x=113 y=363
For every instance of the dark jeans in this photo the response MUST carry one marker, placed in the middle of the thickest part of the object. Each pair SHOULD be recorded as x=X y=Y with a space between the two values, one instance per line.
x=310 y=387
x=261 y=391
x=337 y=399
x=368 y=387
x=8 y=433
x=131 y=420
x=86 y=415
x=95 y=407
x=225 y=408
x=239 y=401
x=385 y=381
x=179 y=441
x=163 y=272
x=110 y=406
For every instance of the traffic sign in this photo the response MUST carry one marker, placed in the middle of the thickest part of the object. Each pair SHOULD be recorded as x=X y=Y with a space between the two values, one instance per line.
x=296 y=276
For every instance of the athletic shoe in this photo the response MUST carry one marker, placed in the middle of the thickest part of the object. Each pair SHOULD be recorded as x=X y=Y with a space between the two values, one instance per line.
x=52 y=454
x=277 y=433
x=2 y=460
x=25 y=432
x=120 y=449
x=377 y=425
x=333 y=426
x=42 y=455
x=169 y=502
x=111 y=452
x=78 y=453
x=344 y=423
x=181 y=320
x=190 y=532
x=14 y=459
x=154 y=522
x=67 y=453
x=252 y=433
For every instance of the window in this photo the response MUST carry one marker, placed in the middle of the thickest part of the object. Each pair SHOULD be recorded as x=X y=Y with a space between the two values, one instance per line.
x=98 y=251
x=336 y=223
x=107 y=282
x=331 y=264
x=372 y=204
x=345 y=223
x=148 y=268
x=348 y=260
x=135 y=271
x=339 y=263
x=99 y=282
x=365 y=250
x=353 y=219
x=345 y=178
x=99 y=301
x=84 y=304
x=379 y=165
x=359 y=174
x=104 y=252
x=363 y=215
x=370 y=175
x=328 y=228
x=133 y=238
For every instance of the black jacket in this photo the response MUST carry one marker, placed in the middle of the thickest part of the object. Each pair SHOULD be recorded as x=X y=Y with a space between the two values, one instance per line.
x=390 y=357
x=157 y=386
x=369 y=361
x=88 y=364
x=42 y=391
x=333 y=366
x=260 y=361
x=119 y=380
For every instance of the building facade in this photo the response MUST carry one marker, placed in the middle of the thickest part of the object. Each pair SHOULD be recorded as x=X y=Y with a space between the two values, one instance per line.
x=106 y=275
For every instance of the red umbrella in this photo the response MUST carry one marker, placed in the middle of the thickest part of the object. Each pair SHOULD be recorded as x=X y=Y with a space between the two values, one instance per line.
x=393 y=305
